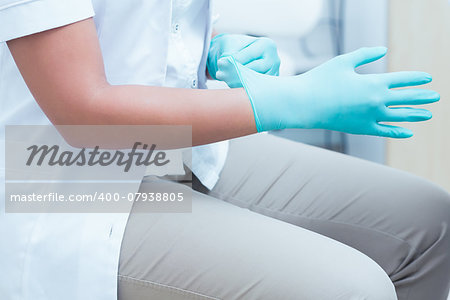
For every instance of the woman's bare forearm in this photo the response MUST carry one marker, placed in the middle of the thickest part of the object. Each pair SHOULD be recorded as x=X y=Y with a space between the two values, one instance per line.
x=63 y=68
x=215 y=115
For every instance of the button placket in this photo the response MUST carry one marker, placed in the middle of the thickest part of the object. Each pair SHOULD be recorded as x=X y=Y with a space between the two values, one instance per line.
x=190 y=68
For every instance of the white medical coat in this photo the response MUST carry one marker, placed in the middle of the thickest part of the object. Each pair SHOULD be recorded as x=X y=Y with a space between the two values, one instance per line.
x=149 y=42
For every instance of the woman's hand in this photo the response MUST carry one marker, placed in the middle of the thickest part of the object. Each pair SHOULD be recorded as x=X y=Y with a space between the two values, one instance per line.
x=333 y=96
x=258 y=54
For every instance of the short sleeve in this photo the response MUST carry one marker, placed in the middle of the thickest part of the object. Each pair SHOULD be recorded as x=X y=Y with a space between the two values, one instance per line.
x=20 y=18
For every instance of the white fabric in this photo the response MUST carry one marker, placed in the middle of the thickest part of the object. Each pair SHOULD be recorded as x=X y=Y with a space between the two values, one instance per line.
x=21 y=17
x=208 y=161
x=152 y=42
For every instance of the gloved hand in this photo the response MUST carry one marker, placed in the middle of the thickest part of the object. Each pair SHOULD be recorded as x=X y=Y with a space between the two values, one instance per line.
x=258 y=54
x=333 y=96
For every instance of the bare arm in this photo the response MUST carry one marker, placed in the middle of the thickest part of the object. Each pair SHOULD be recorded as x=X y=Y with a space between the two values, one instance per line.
x=64 y=70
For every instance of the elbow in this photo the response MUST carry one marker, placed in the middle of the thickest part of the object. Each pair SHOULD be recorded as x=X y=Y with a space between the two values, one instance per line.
x=83 y=107
x=73 y=114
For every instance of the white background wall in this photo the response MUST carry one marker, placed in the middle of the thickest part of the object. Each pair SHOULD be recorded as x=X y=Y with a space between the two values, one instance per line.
x=420 y=40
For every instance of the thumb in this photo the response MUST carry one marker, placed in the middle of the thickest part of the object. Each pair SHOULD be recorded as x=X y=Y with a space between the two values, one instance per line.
x=228 y=71
x=366 y=55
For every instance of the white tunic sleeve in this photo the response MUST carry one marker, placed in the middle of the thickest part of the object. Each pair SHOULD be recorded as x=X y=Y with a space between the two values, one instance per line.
x=20 y=18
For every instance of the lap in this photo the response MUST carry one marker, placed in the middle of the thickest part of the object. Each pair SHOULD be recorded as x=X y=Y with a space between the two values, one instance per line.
x=390 y=215
x=221 y=251
x=351 y=217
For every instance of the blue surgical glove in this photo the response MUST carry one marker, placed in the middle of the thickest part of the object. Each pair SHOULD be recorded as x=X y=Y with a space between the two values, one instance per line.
x=333 y=96
x=258 y=54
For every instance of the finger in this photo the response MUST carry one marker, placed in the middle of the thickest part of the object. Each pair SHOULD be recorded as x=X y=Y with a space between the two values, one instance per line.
x=230 y=72
x=393 y=131
x=406 y=114
x=255 y=50
x=412 y=97
x=249 y=53
x=263 y=66
x=275 y=70
x=211 y=62
x=405 y=79
x=364 y=56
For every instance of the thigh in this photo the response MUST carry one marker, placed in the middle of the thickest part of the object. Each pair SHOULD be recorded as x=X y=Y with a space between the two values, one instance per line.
x=221 y=251
x=391 y=216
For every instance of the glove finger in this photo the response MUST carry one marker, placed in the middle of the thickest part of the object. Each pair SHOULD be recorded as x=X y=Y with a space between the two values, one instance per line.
x=412 y=97
x=234 y=73
x=211 y=63
x=259 y=48
x=392 y=131
x=275 y=70
x=249 y=53
x=404 y=79
x=364 y=56
x=228 y=72
x=263 y=66
x=406 y=114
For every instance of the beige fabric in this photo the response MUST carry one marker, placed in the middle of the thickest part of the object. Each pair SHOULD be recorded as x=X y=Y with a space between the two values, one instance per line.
x=290 y=221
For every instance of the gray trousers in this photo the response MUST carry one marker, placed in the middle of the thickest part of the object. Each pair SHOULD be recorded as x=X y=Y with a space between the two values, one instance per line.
x=291 y=221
